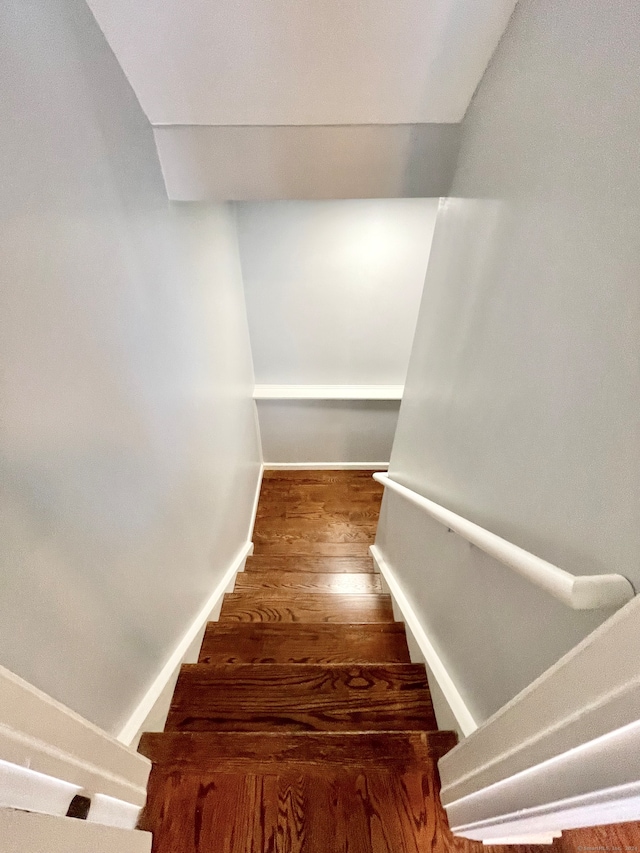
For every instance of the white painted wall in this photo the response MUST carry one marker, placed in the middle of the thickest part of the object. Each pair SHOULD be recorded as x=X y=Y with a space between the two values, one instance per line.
x=522 y=404
x=333 y=287
x=333 y=290
x=322 y=431
x=129 y=448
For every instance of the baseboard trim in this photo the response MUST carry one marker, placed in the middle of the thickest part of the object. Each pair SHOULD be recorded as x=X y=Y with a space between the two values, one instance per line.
x=326 y=466
x=256 y=500
x=131 y=728
x=435 y=663
x=554 y=795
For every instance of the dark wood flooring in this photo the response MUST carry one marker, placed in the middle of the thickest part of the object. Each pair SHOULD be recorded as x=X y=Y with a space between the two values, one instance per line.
x=302 y=642
x=289 y=606
x=301 y=697
x=304 y=728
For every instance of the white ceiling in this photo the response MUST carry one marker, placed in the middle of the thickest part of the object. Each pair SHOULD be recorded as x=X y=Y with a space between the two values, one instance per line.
x=303 y=62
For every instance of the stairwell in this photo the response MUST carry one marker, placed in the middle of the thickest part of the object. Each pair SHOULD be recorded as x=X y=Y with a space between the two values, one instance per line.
x=304 y=726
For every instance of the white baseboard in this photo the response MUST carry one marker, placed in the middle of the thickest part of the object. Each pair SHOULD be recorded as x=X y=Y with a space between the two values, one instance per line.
x=27 y=831
x=592 y=785
x=256 y=500
x=133 y=725
x=326 y=466
x=466 y=724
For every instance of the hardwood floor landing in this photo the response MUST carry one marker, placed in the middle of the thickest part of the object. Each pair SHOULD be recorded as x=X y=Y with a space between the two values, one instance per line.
x=322 y=513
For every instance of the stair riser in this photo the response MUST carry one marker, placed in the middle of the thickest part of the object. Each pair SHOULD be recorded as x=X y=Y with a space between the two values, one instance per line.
x=246 y=751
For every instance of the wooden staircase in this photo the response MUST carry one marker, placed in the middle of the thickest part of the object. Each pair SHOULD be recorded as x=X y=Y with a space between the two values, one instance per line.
x=304 y=726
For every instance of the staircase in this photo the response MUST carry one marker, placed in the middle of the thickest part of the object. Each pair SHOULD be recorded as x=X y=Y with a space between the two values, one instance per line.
x=304 y=726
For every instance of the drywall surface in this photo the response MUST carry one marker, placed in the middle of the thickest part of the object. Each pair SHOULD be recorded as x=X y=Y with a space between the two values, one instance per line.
x=522 y=403
x=333 y=287
x=324 y=431
x=129 y=453
x=343 y=161
x=333 y=290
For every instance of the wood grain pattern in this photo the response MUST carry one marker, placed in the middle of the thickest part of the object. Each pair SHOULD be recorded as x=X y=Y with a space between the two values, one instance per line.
x=301 y=547
x=314 y=811
x=301 y=697
x=299 y=642
x=620 y=837
x=339 y=532
x=328 y=513
x=303 y=582
x=308 y=563
x=258 y=752
x=306 y=608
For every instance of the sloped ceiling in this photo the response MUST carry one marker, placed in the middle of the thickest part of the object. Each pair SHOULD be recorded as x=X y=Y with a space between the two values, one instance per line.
x=296 y=63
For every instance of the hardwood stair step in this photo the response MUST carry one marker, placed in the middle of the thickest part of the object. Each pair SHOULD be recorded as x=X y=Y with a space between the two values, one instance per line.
x=301 y=697
x=287 y=531
x=318 y=475
x=357 y=512
x=311 y=607
x=303 y=547
x=300 y=810
x=304 y=582
x=262 y=751
x=304 y=642
x=308 y=563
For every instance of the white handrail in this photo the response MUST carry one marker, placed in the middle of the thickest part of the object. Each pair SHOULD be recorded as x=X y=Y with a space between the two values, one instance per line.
x=580 y=592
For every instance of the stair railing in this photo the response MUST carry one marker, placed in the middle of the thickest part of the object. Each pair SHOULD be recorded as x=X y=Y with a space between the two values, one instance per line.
x=565 y=751
x=580 y=592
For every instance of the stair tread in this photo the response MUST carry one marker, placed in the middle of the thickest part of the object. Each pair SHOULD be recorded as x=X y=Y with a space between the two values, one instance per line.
x=262 y=751
x=308 y=607
x=339 y=532
x=310 y=810
x=299 y=546
x=308 y=563
x=303 y=582
x=301 y=697
x=304 y=642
